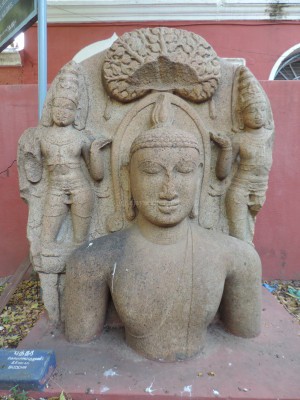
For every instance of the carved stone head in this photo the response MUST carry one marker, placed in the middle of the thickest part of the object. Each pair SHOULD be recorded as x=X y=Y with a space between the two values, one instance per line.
x=164 y=170
x=252 y=101
x=63 y=111
x=252 y=109
x=67 y=99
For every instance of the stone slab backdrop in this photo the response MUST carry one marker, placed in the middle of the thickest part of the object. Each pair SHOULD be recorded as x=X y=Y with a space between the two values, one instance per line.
x=144 y=178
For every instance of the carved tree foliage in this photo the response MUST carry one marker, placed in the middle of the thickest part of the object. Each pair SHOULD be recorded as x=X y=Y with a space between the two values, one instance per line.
x=162 y=59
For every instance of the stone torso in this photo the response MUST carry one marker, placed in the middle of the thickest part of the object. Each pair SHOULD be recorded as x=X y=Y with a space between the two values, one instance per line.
x=62 y=150
x=255 y=153
x=163 y=302
x=62 y=146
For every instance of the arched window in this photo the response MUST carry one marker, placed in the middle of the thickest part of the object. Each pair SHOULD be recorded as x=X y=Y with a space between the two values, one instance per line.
x=287 y=67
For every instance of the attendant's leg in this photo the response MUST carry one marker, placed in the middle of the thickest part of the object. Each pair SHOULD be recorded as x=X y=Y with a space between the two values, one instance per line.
x=50 y=294
x=54 y=213
x=81 y=210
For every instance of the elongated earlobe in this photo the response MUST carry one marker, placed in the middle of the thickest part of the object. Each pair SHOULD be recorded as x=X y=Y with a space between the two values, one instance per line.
x=129 y=207
x=194 y=212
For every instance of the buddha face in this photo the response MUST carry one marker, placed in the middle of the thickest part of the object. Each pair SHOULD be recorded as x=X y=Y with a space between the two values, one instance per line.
x=254 y=115
x=63 y=111
x=164 y=183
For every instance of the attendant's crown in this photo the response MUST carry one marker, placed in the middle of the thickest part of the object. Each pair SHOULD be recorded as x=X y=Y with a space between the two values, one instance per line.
x=249 y=90
x=67 y=84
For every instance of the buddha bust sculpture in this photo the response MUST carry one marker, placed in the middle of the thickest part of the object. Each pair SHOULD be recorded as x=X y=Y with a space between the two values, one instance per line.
x=143 y=206
x=161 y=271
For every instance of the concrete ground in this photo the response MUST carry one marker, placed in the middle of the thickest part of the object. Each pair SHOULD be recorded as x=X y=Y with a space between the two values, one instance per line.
x=266 y=367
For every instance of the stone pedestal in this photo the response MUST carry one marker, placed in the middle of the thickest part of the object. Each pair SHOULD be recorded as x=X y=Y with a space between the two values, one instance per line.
x=266 y=367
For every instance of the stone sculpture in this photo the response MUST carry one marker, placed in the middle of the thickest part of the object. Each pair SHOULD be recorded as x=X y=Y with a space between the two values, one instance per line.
x=63 y=146
x=169 y=262
x=157 y=207
x=60 y=149
x=253 y=144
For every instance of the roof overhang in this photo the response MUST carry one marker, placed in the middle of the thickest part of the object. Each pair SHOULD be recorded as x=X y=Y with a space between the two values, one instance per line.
x=78 y=11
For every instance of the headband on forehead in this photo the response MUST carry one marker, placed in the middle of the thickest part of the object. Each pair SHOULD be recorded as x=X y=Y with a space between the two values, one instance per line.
x=164 y=137
x=162 y=133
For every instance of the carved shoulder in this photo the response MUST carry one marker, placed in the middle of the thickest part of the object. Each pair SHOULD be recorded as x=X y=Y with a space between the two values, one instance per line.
x=238 y=257
x=244 y=259
x=94 y=259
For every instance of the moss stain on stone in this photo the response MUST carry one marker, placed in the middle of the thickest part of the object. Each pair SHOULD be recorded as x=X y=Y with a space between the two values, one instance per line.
x=276 y=10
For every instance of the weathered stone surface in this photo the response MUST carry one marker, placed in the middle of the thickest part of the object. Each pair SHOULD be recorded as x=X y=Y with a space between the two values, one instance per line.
x=59 y=165
x=148 y=158
x=162 y=59
x=160 y=271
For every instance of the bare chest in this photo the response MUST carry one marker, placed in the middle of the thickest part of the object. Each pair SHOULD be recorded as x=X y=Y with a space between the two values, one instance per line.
x=61 y=147
x=165 y=289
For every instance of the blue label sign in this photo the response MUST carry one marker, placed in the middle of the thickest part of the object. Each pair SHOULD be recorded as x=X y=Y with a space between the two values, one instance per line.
x=29 y=369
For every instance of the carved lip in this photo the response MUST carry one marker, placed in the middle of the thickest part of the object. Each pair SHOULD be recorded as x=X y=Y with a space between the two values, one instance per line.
x=167 y=207
x=259 y=120
x=63 y=121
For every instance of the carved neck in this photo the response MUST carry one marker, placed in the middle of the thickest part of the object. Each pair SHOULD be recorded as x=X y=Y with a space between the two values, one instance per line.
x=63 y=128
x=162 y=235
x=255 y=131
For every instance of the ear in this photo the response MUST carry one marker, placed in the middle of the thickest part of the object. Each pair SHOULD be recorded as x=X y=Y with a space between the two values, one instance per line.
x=127 y=196
x=46 y=118
x=241 y=120
x=194 y=213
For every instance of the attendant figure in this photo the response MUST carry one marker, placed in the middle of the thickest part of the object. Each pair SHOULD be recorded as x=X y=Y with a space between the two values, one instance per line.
x=63 y=147
x=251 y=148
x=68 y=155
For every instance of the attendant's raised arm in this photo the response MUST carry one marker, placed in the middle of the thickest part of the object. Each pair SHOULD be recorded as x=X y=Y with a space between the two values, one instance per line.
x=225 y=156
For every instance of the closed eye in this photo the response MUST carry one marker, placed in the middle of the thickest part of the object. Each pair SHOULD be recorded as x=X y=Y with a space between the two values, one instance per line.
x=185 y=167
x=150 y=167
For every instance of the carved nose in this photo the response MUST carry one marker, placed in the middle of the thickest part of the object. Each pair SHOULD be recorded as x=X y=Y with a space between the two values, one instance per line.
x=168 y=190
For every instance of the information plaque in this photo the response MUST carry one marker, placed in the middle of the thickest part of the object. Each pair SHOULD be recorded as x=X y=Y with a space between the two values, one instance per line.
x=29 y=369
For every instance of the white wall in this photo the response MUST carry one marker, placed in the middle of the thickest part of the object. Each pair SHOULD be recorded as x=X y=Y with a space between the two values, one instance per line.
x=170 y=10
